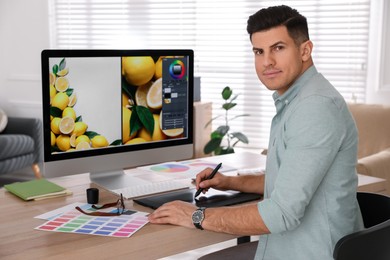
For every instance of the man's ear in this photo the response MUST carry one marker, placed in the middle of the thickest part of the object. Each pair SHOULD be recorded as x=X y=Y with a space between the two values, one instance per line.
x=306 y=49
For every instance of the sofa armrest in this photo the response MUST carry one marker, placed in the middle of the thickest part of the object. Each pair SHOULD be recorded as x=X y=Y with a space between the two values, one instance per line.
x=377 y=165
x=27 y=126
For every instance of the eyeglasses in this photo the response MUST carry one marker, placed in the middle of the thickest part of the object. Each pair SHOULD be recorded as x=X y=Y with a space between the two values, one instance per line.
x=119 y=204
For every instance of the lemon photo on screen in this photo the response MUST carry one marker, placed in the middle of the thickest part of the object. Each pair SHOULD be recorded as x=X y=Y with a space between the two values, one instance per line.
x=68 y=130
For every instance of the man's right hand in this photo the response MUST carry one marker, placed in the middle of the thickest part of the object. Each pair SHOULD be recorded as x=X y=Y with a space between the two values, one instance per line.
x=219 y=182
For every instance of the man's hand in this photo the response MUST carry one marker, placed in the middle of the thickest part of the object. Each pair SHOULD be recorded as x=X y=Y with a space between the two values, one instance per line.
x=176 y=213
x=219 y=182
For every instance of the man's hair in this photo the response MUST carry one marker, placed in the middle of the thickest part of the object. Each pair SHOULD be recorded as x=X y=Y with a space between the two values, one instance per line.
x=282 y=15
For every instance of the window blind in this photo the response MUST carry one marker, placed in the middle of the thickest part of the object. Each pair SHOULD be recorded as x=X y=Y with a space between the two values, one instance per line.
x=216 y=31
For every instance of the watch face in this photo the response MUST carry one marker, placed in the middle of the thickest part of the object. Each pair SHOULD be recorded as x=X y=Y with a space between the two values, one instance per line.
x=197 y=216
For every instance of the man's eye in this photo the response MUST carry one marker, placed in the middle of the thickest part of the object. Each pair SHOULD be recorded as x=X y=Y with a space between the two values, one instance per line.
x=257 y=52
x=278 y=48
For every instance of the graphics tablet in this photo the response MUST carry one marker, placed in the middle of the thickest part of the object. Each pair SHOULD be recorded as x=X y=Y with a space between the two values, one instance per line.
x=213 y=198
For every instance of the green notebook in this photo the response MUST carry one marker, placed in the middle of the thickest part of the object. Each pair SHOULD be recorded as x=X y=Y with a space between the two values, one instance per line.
x=36 y=189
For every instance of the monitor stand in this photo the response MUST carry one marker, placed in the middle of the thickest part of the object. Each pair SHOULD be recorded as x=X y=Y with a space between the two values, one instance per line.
x=116 y=179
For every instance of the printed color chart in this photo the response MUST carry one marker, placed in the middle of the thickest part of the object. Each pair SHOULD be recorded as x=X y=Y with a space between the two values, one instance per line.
x=76 y=222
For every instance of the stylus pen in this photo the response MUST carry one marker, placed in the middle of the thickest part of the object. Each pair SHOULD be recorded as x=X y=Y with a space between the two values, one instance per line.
x=208 y=178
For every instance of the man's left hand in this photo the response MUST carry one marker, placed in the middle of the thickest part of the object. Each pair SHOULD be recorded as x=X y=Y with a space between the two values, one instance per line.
x=176 y=213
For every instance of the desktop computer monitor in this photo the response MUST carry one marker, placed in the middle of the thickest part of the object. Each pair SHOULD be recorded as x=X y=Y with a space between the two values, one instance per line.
x=107 y=110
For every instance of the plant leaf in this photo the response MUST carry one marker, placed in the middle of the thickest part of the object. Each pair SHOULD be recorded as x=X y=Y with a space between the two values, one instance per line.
x=55 y=69
x=62 y=64
x=79 y=119
x=116 y=142
x=135 y=122
x=240 y=136
x=55 y=111
x=229 y=105
x=69 y=92
x=223 y=129
x=146 y=118
x=239 y=116
x=226 y=150
x=234 y=98
x=91 y=134
x=211 y=120
x=212 y=145
x=128 y=89
x=226 y=93
x=216 y=135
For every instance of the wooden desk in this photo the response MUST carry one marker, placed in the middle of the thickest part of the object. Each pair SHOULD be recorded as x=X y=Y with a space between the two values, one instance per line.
x=19 y=240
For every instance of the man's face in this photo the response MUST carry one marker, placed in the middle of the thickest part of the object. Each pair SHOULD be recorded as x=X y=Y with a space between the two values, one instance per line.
x=278 y=60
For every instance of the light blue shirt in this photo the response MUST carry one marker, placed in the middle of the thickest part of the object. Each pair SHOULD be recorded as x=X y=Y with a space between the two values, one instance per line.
x=311 y=182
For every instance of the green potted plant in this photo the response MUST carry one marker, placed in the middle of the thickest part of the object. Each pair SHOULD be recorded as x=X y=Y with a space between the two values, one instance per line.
x=224 y=132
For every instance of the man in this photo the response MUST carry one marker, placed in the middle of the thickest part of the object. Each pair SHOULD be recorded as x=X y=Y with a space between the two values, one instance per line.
x=310 y=182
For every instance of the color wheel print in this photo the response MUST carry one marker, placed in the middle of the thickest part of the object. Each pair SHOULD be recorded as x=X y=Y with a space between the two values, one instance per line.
x=169 y=168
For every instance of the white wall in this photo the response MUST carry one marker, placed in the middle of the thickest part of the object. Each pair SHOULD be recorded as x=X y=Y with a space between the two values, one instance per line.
x=24 y=33
x=378 y=74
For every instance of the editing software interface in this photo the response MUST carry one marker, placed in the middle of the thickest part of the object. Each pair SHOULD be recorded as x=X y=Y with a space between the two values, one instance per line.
x=175 y=97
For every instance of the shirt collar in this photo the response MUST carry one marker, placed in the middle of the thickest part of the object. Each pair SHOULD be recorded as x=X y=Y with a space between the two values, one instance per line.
x=292 y=92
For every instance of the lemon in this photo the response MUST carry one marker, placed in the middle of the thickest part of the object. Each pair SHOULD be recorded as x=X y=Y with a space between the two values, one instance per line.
x=141 y=93
x=99 y=141
x=154 y=96
x=63 y=72
x=68 y=111
x=72 y=140
x=66 y=125
x=61 y=84
x=60 y=100
x=138 y=70
x=52 y=78
x=63 y=142
x=83 y=146
x=52 y=138
x=53 y=92
x=175 y=132
x=157 y=133
x=137 y=140
x=126 y=114
x=82 y=138
x=55 y=125
x=79 y=128
x=125 y=99
x=72 y=100
x=158 y=71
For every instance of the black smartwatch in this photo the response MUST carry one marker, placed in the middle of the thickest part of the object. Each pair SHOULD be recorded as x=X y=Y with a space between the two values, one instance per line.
x=197 y=217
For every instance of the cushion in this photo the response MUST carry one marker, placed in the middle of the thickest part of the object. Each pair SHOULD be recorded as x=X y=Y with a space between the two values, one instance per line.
x=15 y=145
x=373 y=123
x=3 y=120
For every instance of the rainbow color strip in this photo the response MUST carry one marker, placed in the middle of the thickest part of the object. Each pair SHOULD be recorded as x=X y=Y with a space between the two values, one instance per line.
x=173 y=67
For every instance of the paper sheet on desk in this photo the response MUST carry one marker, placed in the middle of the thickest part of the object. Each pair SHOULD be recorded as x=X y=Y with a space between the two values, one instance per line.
x=183 y=170
x=203 y=164
x=68 y=220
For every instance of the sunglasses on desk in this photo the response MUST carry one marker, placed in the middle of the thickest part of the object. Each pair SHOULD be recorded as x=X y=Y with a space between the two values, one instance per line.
x=119 y=204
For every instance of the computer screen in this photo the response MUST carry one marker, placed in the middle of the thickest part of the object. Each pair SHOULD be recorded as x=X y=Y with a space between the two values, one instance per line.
x=107 y=110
